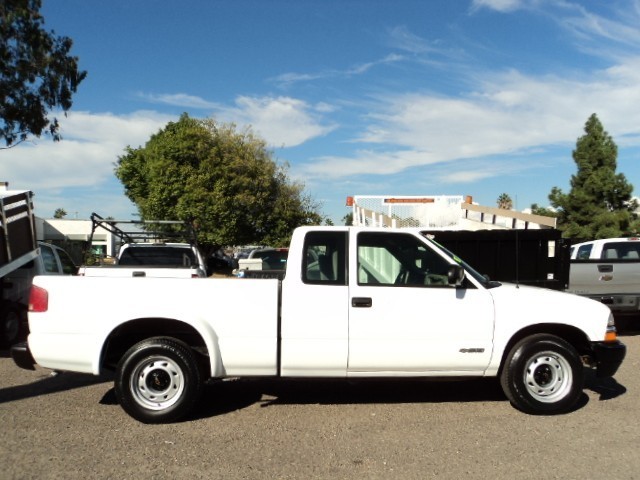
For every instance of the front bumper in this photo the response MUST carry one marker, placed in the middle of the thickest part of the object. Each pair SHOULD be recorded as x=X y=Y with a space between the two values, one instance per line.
x=608 y=357
x=22 y=356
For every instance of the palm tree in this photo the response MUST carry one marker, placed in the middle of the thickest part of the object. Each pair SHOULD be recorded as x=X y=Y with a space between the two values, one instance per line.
x=60 y=213
x=505 y=202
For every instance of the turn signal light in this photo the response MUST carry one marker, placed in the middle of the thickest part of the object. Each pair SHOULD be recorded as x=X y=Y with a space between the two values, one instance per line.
x=38 y=299
x=610 y=336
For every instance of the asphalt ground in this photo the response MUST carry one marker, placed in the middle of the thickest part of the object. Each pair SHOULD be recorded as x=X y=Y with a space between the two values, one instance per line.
x=69 y=426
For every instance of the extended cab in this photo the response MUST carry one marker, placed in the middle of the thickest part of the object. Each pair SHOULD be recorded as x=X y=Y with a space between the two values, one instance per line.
x=355 y=302
x=608 y=270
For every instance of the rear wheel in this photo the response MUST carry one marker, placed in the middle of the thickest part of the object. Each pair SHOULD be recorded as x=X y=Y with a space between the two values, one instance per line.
x=543 y=374
x=11 y=325
x=158 y=380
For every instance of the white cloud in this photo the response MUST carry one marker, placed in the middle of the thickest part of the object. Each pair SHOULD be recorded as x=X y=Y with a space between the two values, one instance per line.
x=179 y=100
x=281 y=121
x=623 y=28
x=290 y=78
x=509 y=113
x=498 y=5
x=85 y=157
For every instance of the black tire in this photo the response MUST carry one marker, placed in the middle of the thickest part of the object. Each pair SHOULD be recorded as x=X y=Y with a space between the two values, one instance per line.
x=543 y=374
x=158 y=380
x=12 y=324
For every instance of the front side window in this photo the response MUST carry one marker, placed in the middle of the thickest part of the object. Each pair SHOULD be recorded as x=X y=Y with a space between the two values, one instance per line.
x=49 y=260
x=399 y=259
x=584 y=252
x=68 y=267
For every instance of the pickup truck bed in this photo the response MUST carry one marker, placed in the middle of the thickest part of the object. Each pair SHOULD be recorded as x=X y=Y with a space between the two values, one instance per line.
x=156 y=260
x=608 y=271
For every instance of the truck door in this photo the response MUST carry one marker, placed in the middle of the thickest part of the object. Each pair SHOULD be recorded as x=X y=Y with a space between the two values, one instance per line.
x=314 y=317
x=404 y=317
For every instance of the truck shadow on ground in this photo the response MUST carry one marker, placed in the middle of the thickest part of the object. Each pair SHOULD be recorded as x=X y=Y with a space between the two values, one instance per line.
x=45 y=382
x=225 y=397
x=608 y=388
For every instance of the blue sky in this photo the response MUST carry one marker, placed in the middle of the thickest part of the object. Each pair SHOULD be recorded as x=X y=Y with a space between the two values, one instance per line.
x=360 y=97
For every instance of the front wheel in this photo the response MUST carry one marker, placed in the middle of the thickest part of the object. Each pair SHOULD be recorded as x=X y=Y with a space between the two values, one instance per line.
x=158 y=380
x=543 y=374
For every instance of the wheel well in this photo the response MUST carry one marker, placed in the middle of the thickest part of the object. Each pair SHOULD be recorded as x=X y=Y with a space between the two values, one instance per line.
x=572 y=335
x=134 y=331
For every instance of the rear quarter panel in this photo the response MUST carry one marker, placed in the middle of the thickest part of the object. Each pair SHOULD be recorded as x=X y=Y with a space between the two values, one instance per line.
x=236 y=319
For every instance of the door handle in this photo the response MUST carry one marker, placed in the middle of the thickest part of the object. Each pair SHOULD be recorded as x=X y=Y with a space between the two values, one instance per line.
x=605 y=268
x=363 y=302
x=138 y=273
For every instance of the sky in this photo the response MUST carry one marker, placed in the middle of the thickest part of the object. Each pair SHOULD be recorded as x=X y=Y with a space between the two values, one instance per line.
x=358 y=97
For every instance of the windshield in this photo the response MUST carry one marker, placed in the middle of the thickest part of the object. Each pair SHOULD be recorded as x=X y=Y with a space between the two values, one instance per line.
x=483 y=279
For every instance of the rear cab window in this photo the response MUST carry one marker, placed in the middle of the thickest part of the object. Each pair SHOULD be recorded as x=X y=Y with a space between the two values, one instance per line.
x=325 y=258
x=629 y=250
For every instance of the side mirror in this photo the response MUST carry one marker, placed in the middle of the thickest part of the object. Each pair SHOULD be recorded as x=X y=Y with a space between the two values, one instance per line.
x=455 y=275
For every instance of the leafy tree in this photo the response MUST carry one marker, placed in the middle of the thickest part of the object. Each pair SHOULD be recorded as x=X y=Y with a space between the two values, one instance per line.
x=599 y=204
x=348 y=219
x=60 y=213
x=223 y=181
x=37 y=74
x=504 y=201
x=545 y=212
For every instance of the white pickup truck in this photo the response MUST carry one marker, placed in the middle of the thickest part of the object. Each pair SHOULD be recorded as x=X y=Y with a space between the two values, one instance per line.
x=355 y=302
x=608 y=270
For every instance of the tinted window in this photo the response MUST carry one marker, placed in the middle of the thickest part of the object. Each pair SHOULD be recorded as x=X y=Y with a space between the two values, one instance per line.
x=48 y=259
x=325 y=259
x=68 y=267
x=158 y=256
x=621 y=250
x=584 y=252
x=272 y=259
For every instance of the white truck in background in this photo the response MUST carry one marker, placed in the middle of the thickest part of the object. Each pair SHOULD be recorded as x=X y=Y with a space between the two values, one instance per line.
x=21 y=259
x=354 y=302
x=145 y=252
x=608 y=270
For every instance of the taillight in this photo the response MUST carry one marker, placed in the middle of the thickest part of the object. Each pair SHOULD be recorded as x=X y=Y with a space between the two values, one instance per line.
x=38 y=299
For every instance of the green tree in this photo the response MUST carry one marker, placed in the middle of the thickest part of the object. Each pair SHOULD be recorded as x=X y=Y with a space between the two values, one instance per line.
x=599 y=204
x=60 y=213
x=348 y=219
x=37 y=74
x=504 y=201
x=223 y=181
x=545 y=212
